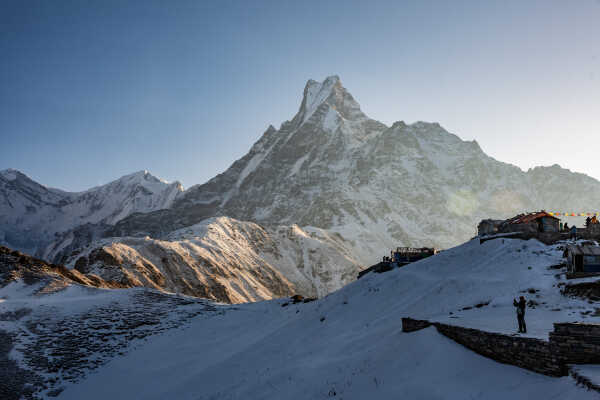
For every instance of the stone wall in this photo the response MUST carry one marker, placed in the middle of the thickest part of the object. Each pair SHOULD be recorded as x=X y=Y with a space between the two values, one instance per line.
x=584 y=290
x=576 y=343
x=529 y=353
x=532 y=354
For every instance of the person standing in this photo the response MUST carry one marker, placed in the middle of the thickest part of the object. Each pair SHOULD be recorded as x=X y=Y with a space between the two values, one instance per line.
x=520 y=305
x=574 y=232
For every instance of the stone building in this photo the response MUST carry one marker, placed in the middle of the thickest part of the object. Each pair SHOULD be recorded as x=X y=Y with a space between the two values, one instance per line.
x=489 y=226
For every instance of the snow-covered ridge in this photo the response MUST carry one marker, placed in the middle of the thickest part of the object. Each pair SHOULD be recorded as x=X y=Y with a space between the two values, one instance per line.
x=225 y=260
x=31 y=214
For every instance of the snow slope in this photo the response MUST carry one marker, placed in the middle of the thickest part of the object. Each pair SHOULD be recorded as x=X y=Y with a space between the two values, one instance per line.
x=350 y=345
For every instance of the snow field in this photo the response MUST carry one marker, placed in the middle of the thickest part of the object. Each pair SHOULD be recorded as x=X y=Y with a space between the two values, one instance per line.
x=350 y=343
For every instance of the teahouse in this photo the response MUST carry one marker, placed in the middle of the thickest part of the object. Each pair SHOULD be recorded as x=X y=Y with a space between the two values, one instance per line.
x=533 y=222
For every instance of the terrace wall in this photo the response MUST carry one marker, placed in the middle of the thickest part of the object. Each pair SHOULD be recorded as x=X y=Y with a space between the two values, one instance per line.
x=576 y=343
x=570 y=343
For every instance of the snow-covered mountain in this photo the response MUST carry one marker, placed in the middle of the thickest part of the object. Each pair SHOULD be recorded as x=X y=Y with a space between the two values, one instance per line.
x=334 y=168
x=224 y=260
x=330 y=169
x=31 y=214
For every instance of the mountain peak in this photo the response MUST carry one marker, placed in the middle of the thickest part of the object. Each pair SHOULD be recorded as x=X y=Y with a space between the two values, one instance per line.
x=331 y=93
x=142 y=175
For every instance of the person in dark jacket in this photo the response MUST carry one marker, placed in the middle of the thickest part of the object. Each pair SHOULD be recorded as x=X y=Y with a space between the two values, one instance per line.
x=574 y=232
x=521 y=304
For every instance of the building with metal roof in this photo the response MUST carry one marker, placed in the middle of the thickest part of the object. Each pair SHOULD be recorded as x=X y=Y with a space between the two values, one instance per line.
x=539 y=221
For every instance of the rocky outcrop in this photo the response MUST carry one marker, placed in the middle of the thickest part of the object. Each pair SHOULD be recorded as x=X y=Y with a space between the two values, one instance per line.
x=15 y=265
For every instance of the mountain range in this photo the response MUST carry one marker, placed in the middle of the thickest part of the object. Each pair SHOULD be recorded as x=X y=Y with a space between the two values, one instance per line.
x=346 y=187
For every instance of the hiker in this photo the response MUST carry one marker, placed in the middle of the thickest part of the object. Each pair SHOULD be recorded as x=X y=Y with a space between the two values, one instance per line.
x=560 y=229
x=574 y=232
x=594 y=220
x=521 y=313
x=588 y=221
x=566 y=227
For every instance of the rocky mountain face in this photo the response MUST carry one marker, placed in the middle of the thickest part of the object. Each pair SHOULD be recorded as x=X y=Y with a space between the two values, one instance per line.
x=334 y=168
x=32 y=214
x=224 y=260
x=354 y=186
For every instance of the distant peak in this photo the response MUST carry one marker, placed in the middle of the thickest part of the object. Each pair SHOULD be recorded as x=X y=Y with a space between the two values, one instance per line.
x=142 y=175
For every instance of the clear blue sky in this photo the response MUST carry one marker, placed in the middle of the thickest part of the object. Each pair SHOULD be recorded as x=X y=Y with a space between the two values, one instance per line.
x=93 y=90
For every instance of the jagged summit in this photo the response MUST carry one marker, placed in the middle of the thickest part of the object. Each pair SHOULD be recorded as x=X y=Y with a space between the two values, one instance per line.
x=331 y=98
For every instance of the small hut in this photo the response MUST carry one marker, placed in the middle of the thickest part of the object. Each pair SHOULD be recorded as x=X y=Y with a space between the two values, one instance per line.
x=582 y=259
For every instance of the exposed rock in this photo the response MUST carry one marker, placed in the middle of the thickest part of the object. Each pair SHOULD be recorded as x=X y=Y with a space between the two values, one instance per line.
x=224 y=260
x=15 y=265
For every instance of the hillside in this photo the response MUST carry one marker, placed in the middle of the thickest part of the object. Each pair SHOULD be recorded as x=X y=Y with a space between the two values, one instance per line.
x=225 y=260
x=350 y=343
x=16 y=266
